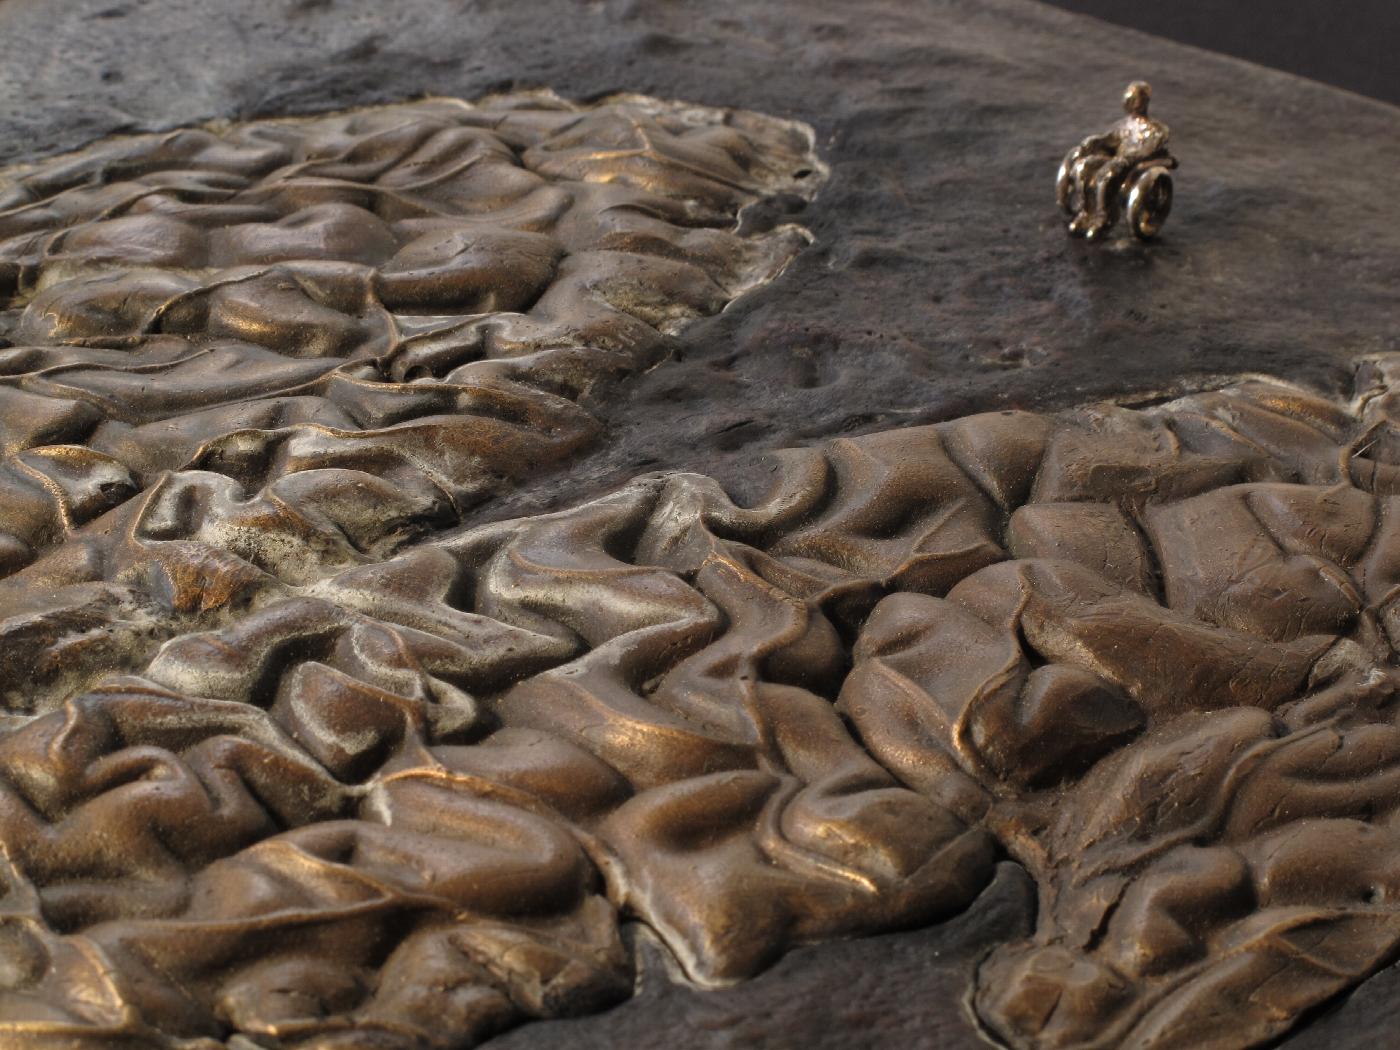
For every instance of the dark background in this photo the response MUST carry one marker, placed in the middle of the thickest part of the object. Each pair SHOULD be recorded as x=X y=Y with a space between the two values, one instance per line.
x=1354 y=44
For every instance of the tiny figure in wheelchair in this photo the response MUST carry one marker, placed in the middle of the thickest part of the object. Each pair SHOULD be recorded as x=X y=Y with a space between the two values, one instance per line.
x=1125 y=167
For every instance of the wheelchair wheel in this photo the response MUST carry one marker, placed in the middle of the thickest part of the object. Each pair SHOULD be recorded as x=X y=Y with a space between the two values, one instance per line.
x=1150 y=201
x=1064 y=181
x=1074 y=176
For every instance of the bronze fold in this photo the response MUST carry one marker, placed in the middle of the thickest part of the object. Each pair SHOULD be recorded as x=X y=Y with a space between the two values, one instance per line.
x=1147 y=653
x=307 y=342
x=290 y=760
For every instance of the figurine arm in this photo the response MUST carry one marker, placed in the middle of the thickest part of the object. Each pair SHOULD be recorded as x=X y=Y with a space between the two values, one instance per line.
x=1105 y=143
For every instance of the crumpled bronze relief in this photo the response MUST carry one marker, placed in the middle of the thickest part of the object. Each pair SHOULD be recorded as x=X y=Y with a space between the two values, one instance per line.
x=288 y=347
x=288 y=763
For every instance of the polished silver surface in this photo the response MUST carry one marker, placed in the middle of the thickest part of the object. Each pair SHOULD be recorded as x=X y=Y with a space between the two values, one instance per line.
x=1124 y=171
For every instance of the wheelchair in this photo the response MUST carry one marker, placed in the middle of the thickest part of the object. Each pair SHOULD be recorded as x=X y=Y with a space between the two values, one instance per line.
x=1143 y=193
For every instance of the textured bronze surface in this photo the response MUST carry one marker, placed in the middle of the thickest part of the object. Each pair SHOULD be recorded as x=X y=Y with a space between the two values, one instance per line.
x=289 y=347
x=387 y=781
x=403 y=788
x=239 y=362
x=1124 y=172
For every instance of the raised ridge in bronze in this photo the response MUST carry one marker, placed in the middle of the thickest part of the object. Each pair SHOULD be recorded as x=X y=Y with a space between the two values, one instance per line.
x=291 y=760
x=300 y=343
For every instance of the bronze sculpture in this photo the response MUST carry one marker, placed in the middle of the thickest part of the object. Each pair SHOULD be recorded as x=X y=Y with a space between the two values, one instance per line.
x=353 y=771
x=1124 y=171
x=341 y=734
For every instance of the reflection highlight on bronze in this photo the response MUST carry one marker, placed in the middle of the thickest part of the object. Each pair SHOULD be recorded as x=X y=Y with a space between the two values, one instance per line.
x=291 y=346
x=290 y=760
x=417 y=797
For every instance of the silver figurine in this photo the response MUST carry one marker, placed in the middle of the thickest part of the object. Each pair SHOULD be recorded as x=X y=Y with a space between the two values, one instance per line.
x=1126 y=170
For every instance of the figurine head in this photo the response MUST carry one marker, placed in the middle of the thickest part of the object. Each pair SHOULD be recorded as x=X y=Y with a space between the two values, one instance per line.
x=1136 y=98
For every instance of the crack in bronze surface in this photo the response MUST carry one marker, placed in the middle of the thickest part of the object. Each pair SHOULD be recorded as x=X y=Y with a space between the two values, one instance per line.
x=292 y=761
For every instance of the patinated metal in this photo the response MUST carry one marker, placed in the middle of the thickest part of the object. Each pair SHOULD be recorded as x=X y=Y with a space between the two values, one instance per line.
x=290 y=756
x=1124 y=172
x=318 y=736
